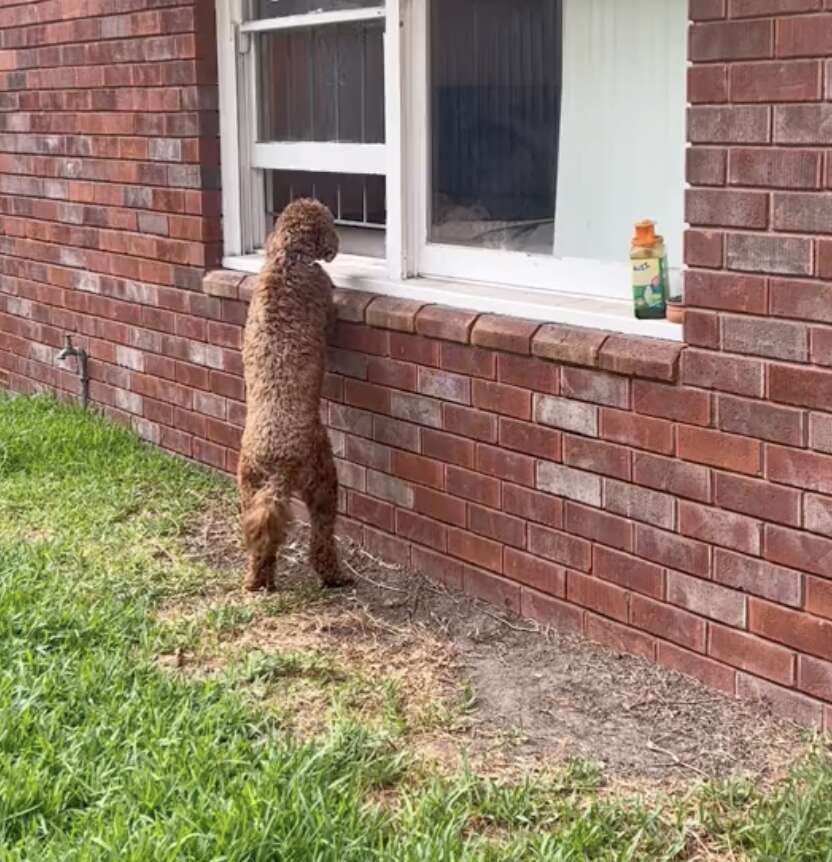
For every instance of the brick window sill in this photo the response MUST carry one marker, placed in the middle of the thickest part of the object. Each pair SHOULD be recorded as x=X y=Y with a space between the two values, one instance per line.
x=637 y=355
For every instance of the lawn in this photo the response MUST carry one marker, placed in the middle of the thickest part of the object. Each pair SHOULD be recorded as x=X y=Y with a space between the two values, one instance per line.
x=108 y=754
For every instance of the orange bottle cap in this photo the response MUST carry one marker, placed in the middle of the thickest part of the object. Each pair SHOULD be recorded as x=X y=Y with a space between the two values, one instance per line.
x=645 y=233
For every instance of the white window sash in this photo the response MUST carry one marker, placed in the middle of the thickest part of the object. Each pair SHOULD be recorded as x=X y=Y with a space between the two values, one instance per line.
x=333 y=158
x=313 y=19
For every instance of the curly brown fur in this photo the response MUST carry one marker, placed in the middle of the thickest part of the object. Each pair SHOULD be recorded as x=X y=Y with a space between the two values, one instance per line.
x=285 y=448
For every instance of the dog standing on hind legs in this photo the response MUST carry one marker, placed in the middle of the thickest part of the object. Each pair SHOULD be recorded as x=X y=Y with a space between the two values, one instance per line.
x=285 y=447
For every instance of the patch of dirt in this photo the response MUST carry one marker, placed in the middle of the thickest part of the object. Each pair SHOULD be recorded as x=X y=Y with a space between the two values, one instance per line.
x=478 y=686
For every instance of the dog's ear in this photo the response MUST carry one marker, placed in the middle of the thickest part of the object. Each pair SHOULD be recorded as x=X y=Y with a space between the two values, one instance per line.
x=328 y=242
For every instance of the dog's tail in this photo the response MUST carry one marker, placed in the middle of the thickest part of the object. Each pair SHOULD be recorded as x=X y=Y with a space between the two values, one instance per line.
x=264 y=521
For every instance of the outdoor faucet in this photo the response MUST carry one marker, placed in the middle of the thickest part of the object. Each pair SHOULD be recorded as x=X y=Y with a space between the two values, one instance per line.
x=81 y=355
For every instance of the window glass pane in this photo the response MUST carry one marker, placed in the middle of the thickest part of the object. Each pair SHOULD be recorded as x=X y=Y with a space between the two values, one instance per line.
x=358 y=203
x=280 y=8
x=322 y=84
x=495 y=87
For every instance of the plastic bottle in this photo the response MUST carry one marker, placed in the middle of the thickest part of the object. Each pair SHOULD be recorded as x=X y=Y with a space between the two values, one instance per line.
x=650 y=275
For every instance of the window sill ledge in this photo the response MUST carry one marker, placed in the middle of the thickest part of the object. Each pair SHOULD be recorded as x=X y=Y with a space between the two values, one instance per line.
x=614 y=315
x=588 y=332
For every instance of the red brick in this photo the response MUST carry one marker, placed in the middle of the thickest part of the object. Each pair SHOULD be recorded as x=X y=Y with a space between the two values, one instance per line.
x=497 y=526
x=368 y=453
x=351 y=475
x=726 y=292
x=707 y=671
x=473 y=486
x=798 y=550
x=597 y=595
x=641 y=357
x=389 y=488
x=539 y=574
x=818 y=597
x=761 y=420
x=392 y=432
x=758 y=578
x=421 y=530
x=628 y=572
x=674 y=551
x=352 y=336
x=706 y=166
x=739 y=454
x=549 y=611
x=595 y=386
x=618 y=637
x=752 y=654
x=677 y=403
x=351 y=304
x=450 y=324
x=599 y=526
x=350 y=419
x=532 y=439
x=675 y=477
x=372 y=511
x=794 y=628
x=414 y=468
x=440 y=507
x=499 y=332
x=803 y=469
x=573 y=345
x=475 y=549
x=560 y=548
x=801 y=300
x=804 y=37
x=735 y=124
x=771 y=169
x=367 y=396
x=463 y=359
x=720 y=527
x=781 y=701
x=500 y=398
x=704 y=248
x=726 y=208
x=390 y=548
x=701 y=328
x=532 y=506
x=568 y=482
x=706 y=599
x=821 y=345
x=731 y=40
x=540 y=375
x=708 y=83
x=418 y=409
x=566 y=414
x=778 y=339
x=629 y=429
x=413 y=348
x=597 y=456
x=758 y=498
x=668 y=622
x=469 y=423
x=641 y=504
x=497 y=591
x=508 y=466
x=804 y=387
x=815 y=677
x=389 y=312
x=446 y=447
x=445 y=385
x=387 y=372
x=437 y=567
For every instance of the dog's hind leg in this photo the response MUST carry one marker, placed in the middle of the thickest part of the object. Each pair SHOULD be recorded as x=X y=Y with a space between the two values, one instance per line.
x=265 y=516
x=320 y=493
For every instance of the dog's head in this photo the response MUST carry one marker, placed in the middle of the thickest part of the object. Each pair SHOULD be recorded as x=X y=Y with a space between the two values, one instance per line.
x=305 y=230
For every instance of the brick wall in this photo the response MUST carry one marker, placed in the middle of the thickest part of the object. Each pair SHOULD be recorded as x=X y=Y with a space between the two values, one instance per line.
x=674 y=502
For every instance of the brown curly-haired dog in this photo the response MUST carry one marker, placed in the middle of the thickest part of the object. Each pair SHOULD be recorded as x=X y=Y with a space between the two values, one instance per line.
x=285 y=447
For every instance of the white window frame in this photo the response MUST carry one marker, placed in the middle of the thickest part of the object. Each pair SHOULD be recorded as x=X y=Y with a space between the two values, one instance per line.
x=530 y=285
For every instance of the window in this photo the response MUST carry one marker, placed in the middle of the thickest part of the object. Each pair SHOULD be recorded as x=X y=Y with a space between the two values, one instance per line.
x=501 y=142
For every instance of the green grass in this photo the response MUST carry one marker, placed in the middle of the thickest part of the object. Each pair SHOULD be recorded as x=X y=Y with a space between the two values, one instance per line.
x=106 y=756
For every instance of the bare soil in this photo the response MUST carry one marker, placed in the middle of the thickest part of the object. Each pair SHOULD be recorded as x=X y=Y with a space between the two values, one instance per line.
x=480 y=687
